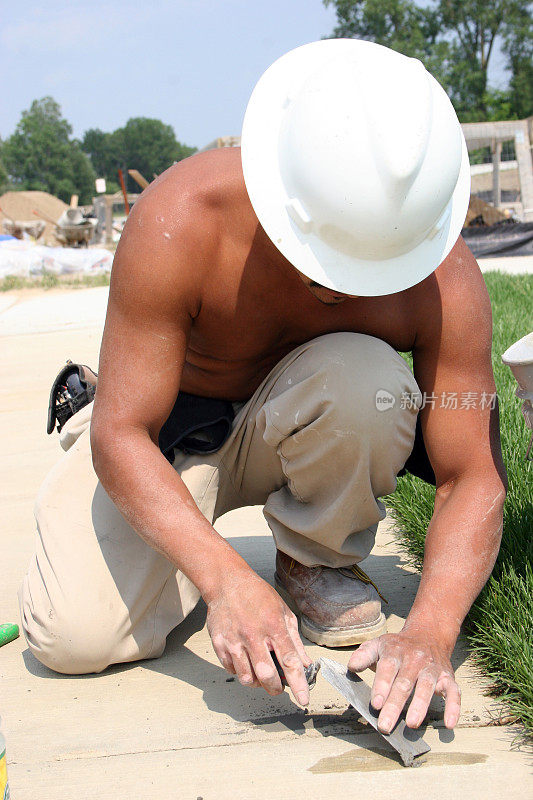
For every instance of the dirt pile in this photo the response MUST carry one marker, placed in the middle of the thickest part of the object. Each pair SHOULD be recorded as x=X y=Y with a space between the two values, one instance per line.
x=20 y=206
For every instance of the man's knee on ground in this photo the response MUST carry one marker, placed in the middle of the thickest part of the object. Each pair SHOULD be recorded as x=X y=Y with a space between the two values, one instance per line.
x=67 y=643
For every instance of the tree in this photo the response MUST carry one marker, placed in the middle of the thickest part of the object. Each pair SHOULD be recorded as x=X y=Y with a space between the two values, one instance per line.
x=143 y=143
x=4 y=179
x=151 y=146
x=399 y=24
x=41 y=155
x=456 y=40
x=105 y=152
x=518 y=46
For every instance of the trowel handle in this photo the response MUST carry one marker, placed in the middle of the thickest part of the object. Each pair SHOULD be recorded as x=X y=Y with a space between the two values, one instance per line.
x=279 y=668
x=310 y=671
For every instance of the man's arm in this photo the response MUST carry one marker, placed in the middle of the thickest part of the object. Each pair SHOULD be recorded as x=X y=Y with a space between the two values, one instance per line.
x=452 y=354
x=155 y=294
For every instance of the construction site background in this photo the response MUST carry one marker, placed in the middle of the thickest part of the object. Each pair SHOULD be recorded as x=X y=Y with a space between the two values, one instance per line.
x=501 y=159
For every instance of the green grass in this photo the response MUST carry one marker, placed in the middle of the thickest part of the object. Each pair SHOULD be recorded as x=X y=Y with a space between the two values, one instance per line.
x=500 y=624
x=49 y=280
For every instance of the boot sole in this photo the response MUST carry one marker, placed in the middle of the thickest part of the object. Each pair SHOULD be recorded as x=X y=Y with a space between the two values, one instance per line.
x=332 y=637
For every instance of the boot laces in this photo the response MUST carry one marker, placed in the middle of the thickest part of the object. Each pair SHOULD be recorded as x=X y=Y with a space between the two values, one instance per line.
x=362 y=576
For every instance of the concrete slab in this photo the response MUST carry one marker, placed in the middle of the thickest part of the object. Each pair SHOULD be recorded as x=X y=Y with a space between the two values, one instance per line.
x=7 y=300
x=177 y=725
x=514 y=265
x=57 y=311
x=311 y=763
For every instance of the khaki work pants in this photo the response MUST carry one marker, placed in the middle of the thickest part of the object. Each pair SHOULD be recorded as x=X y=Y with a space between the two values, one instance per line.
x=313 y=445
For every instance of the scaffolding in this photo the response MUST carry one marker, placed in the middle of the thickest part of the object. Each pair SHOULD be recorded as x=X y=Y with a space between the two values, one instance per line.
x=506 y=184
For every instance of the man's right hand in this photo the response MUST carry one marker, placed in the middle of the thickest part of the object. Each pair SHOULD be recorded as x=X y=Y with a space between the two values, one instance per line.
x=247 y=619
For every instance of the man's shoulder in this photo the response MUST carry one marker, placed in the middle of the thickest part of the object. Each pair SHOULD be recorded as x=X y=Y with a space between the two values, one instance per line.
x=192 y=204
x=180 y=225
x=205 y=180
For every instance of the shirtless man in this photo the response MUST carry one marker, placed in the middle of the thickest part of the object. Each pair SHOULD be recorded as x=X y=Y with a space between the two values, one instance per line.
x=203 y=301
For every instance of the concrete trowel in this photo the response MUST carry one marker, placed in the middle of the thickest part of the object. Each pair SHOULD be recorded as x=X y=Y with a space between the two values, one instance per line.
x=406 y=741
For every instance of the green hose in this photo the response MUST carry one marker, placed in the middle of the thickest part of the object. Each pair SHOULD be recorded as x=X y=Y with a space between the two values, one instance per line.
x=8 y=632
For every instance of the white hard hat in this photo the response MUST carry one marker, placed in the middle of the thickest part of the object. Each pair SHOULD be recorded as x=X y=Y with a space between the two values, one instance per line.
x=356 y=165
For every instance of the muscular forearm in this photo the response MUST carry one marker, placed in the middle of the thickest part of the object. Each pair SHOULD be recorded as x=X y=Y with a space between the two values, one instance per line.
x=461 y=547
x=155 y=501
x=157 y=504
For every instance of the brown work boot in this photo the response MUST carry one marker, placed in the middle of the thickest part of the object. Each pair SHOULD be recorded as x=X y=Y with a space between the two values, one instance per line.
x=336 y=607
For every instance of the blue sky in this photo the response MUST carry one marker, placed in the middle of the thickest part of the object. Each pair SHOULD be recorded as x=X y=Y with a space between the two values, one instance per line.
x=190 y=63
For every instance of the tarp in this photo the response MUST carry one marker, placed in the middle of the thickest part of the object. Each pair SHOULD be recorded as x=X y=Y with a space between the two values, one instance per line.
x=503 y=239
x=26 y=259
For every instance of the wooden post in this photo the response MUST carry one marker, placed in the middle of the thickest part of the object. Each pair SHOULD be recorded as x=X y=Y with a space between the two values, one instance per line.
x=124 y=193
x=496 y=158
x=109 y=219
x=524 y=151
x=140 y=179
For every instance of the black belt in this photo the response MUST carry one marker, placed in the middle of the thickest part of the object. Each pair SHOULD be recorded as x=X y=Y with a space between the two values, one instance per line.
x=201 y=425
x=196 y=425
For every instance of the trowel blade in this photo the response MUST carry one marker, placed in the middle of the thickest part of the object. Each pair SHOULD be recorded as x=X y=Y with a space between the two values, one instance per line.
x=405 y=740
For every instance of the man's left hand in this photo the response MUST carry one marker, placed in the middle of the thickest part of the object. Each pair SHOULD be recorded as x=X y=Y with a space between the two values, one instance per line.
x=403 y=661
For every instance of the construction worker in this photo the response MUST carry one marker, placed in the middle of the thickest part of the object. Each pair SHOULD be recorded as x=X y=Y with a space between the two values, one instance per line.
x=270 y=292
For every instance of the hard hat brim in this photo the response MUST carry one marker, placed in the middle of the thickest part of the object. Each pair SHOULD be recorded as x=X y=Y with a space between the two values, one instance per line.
x=312 y=256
